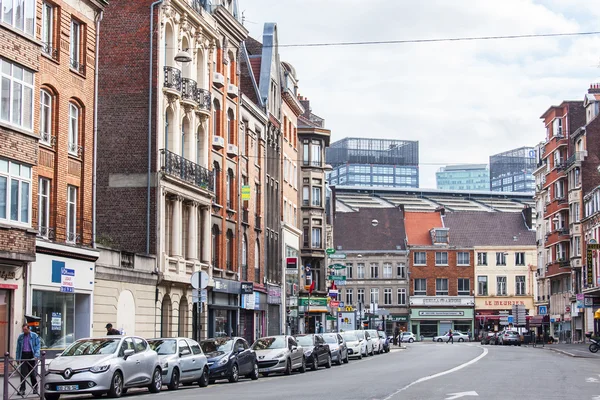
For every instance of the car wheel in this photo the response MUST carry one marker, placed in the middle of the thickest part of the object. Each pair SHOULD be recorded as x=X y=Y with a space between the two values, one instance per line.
x=314 y=364
x=372 y=352
x=461 y=339
x=156 y=384
x=360 y=356
x=302 y=368
x=328 y=363
x=235 y=374
x=440 y=340
x=203 y=381
x=254 y=374
x=346 y=360
x=51 y=396
x=411 y=340
x=338 y=361
x=174 y=384
x=98 y=394
x=116 y=386
x=288 y=367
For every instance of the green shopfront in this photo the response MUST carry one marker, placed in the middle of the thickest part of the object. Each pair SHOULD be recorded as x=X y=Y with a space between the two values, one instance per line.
x=312 y=313
x=432 y=316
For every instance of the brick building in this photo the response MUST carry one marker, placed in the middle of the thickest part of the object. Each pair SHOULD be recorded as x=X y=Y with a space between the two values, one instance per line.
x=441 y=276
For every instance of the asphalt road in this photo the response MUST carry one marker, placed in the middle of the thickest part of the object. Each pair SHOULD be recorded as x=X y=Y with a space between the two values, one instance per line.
x=423 y=371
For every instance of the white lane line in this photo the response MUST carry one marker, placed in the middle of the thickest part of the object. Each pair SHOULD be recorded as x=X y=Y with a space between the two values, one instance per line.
x=426 y=378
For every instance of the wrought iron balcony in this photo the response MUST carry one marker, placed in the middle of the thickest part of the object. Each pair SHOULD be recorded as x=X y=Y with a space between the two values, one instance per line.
x=188 y=90
x=186 y=170
x=78 y=66
x=73 y=237
x=173 y=79
x=46 y=232
x=50 y=51
x=204 y=99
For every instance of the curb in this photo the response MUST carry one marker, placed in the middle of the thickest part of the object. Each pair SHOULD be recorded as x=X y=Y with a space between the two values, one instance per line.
x=566 y=353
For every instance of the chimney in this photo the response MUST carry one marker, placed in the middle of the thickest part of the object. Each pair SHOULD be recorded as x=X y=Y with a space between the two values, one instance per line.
x=306 y=105
x=528 y=215
x=441 y=210
x=594 y=88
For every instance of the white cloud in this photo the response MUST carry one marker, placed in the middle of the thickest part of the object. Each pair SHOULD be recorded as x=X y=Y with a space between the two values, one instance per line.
x=463 y=101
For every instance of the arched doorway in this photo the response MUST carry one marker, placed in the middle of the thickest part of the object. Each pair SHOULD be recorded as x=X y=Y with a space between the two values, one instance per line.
x=165 y=317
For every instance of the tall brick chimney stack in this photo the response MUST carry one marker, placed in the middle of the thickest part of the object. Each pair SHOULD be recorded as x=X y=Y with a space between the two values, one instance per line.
x=594 y=88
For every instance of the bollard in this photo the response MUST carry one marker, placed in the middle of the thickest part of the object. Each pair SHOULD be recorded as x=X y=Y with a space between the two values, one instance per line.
x=6 y=375
x=42 y=380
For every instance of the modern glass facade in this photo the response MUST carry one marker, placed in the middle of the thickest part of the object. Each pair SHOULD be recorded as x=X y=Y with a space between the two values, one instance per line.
x=512 y=171
x=463 y=177
x=375 y=175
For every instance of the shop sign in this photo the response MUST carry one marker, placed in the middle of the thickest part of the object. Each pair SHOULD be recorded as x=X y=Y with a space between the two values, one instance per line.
x=590 y=267
x=399 y=318
x=441 y=313
x=247 y=288
x=442 y=301
x=314 y=301
x=249 y=301
x=588 y=302
x=8 y=275
x=226 y=286
x=56 y=322
x=580 y=300
x=273 y=294
x=67 y=280
x=334 y=303
x=292 y=301
x=504 y=303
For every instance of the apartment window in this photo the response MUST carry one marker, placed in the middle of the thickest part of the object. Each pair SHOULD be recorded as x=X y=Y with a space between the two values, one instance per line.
x=244 y=258
x=217 y=119
x=230 y=189
x=71 y=214
x=464 y=286
x=441 y=287
x=305 y=195
x=520 y=285
x=401 y=297
x=401 y=271
x=420 y=258
x=316 y=196
x=48 y=30
x=217 y=182
x=387 y=296
x=482 y=285
x=360 y=296
x=420 y=287
x=441 y=236
x=75 y=49
x=45 y=117
x=16 y=101
x=360 y=271
x=561 y=254
x=500 y=258
x=482 y=259
x=374 y=296
x=229 y=250
x=349 y=297
x=305 y=153
x=441 y=258
x=44 y=207
x=316 y=153
x=387 y=270
x=230 y=126
x=316 y=238
x=15 y=192
x=348 y=271
x=501 y=285
x=577 y=246
x=463 y=258
x=73 y=129
x=215 y=232
x=257 y=262
x=374 y=270
x=520 y=258
x=19 y=14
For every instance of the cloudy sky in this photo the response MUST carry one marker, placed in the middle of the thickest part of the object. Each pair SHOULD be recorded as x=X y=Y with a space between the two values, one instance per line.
x=462 y=101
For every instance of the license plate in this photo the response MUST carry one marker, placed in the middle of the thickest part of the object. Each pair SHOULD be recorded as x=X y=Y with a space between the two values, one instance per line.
x=67 y=388
x=263 y=369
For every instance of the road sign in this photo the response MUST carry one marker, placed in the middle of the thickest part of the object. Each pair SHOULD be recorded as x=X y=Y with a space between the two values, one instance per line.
x=336 y=277
x=338 y=256
x=330 y=251
x=340 y=283
x=203 y=295
x=341 y=304
x=199 y=280
x=337 y=266
x=334 y=303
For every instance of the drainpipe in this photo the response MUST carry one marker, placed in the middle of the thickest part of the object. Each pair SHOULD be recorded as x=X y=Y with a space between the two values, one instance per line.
x=150 y=80
x=95 y=161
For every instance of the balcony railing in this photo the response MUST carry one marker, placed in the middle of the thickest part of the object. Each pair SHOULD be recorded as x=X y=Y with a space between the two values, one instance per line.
x=204 y=99
x=257 y=221
x=46 y=232
x=78 y=66
x=50 y=51
x=188 y=89
x=172 y=78
x=73 y=237
x=313 y=163
x=186 y=170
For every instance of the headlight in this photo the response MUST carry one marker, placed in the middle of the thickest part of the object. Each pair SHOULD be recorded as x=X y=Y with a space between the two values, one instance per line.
x=280 y=355
x=165 y=365
x=223 y=361
x=99 y=368
x=308 y=353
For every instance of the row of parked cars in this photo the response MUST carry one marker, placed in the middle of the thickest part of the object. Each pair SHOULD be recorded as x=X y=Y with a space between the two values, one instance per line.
x=111 y=365
x=503 y=338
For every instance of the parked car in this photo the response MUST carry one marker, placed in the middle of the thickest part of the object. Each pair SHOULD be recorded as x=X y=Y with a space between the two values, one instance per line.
x=110 y=365
x=408 y=337
x=385 y=340
x=509 y=338
x=356 y=347
x=279 y=354
x=316 y=351
x=488 y=338
x=337 y=346
x=366 y=337
x=182 y=361
x=457 y=335
x=229 y=358
x=377 y=344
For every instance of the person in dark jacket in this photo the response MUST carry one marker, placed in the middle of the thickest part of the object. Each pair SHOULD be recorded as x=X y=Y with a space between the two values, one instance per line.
x=28 y=350
x=111 y=331
x=450 y=337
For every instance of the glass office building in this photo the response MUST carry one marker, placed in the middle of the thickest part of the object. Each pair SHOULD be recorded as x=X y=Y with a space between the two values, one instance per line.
x=463 y=177
x=512 y=171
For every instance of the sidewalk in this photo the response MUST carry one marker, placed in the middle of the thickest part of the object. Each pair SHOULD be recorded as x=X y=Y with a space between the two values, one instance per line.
x=579 y=350
x=15 y=381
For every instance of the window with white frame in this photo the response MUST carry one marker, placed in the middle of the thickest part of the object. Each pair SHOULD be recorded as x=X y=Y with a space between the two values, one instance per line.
x=520 y=258
x=576 y=246
x=16 y=99
x=20 y=14
x=401 y=297
x=15 y=192
x=482 y=285
x=501 y=286
x=305 y=195
x=520 y=285
x=71 y=214
x=561 y=253
x=316 y=153
x=482 y=258
x=73 y=129
x=464 y=286
x=360 y=295
x=463 y=258
x=374 y=270
x=441 y=287
x=557 y=127
x=500 y=258
x=387 y=270
x=348 y=270
x=48 y=29
x=441 y=258
x=44 y=207
x=387 y=296
x=316 y=196
x=75 y=48
x=420 y=287
x=316 y=238
x=349 y=297
x=374 y=296
x=360 y=271
x=45 y=117
x=401 y=271
x=419 y=258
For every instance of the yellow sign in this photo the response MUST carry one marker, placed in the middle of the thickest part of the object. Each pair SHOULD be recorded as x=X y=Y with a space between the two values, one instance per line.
x=245 y=192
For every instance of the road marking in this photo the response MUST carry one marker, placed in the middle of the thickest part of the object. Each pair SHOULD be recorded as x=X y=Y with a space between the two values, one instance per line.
x=591 y=380
x=426 y=378
x=461 y=394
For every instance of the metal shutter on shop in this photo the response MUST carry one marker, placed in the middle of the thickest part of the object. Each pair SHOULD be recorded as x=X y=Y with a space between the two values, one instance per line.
x=273 y=320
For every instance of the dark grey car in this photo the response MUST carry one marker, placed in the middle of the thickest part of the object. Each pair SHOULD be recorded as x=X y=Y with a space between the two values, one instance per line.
x=337 y=346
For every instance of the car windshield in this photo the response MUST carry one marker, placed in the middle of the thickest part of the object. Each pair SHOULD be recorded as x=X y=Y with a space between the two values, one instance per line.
x=163 y=346
x=305 y=340
x=350 y=337
x=217 y=345
x=88 y=347
x=330 y=339
x=381 y=334
x=268 y=343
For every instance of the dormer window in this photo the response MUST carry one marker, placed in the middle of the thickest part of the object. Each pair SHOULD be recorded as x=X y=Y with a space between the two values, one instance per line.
x=439 y=235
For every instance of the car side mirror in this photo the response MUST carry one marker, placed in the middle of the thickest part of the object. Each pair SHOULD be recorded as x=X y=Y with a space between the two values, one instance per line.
x=293 y=348
x=128 y=353
x=184 y=352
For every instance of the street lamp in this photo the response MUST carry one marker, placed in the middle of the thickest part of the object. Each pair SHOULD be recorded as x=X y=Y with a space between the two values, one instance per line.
x=183 y=57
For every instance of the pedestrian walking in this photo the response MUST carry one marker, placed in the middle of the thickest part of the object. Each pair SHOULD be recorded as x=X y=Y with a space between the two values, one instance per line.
x=111 y=331
x=397 y=335
x=28 y=350
x=469 y=334
x=450 y=338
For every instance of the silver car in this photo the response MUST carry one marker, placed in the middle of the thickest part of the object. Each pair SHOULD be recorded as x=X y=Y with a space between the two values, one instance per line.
x=109 y=364
x=279 y=354
x=182 y=361
x=337 y=346
x=377 y=342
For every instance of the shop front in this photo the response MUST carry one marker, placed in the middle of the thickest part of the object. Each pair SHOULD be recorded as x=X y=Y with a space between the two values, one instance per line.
x=274 y=309
x=312 y=312
x=396 y=321
x=61 y=295
x=223 y=308
x=252 y=313
x=11 y=305
x=435 y=315
x=489 y=309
